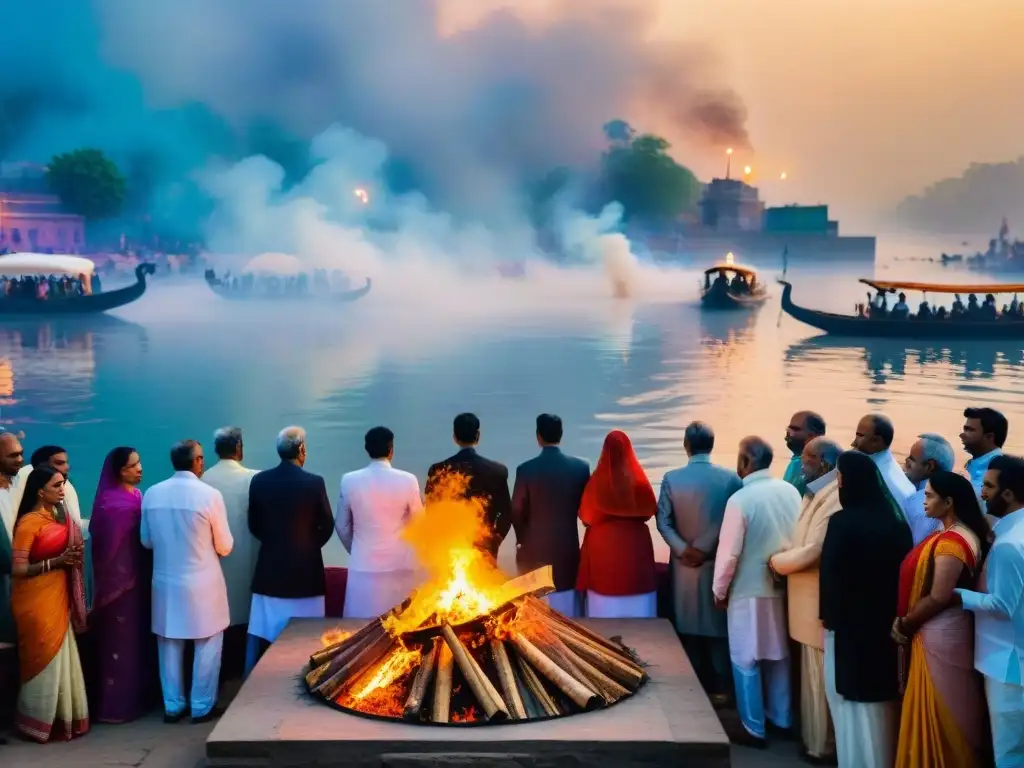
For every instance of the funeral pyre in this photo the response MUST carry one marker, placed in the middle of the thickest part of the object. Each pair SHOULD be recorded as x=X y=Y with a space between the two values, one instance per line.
x=470 y=646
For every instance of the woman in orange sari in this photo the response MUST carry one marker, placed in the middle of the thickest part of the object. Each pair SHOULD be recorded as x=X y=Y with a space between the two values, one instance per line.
x=48 y=603
x=944 y=716
x=617 y=557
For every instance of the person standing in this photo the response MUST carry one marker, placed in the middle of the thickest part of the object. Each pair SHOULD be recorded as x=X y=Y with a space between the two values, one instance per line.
x=803 y=427
x=375 y=505
x=290 y=516
x=864 y=548
x=931 y=453
x=57 y=457
x=758 y=522
x=983 y=435
x=48 y=602
x=799 y=565
x=488 y=480
x=998 y=608
x=943 y=713
x=690 y=510
x=545 y=507
x=121 y=616
x=12 y=478
x=874 y=438
x=185 y=523
x=232 y=480
x=617 y=557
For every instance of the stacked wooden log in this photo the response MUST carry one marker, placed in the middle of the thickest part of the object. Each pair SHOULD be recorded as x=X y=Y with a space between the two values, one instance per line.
x=528 y=662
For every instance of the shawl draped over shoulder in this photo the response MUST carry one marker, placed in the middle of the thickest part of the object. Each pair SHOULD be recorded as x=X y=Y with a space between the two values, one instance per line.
x=114 y=530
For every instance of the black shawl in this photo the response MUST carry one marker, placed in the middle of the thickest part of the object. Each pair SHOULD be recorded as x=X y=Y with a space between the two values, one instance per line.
x=864 y=547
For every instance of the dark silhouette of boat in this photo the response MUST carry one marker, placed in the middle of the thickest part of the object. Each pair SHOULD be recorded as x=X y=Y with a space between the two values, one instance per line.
x=719 y=293
x=225 y=291
x=87 y=304
x=910 y=327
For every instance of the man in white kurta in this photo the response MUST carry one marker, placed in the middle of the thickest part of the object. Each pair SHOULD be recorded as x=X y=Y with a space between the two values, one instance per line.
x=874 y=437
x=13 y=472
x=185 y=523
x=376 y=503
x=759 y=521
x=232 y=480
x=998 y=608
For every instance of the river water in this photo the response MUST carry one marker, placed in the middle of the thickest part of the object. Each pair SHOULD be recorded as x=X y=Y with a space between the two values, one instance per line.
x=182 y=362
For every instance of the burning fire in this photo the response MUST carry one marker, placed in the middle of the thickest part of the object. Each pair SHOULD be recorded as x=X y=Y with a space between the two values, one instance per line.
x=332 y=636
x=462 y=581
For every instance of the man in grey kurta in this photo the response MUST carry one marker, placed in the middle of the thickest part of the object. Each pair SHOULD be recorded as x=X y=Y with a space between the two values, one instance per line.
x=690 y=511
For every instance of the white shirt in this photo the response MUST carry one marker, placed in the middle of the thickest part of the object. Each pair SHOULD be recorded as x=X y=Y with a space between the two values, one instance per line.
x=375 y=505
x=10 y=500
x=232 y=480
x=999 y=613
x=896 y=479
x=757 y=625
x=921 y=526
x=185 y=523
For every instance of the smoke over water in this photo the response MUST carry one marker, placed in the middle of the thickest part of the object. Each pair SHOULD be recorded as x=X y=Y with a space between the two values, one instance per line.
x=180 y=91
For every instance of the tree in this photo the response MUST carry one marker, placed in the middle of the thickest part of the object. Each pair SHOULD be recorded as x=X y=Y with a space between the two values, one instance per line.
x=88 y=183
x=638 y=172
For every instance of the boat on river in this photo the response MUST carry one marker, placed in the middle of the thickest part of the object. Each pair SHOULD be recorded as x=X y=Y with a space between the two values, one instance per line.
x=280 y=277
x=912 y=327
x=42 y=265
x=730 y=286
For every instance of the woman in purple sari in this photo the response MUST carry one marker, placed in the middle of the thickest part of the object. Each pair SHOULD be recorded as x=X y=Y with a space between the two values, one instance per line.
x=122 y=575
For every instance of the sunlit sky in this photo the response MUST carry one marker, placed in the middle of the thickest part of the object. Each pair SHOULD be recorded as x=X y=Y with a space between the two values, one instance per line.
x=860 y=102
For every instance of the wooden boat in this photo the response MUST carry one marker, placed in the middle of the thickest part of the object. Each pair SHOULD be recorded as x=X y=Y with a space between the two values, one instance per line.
x=718 y=292
x=39 y=264
x=910 y=327
x=219 y=287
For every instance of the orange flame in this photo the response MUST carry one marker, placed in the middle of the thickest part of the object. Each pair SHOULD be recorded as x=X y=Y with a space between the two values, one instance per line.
x=332 y=636
x=462 y=580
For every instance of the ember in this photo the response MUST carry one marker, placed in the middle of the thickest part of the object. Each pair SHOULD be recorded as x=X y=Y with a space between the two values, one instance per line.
x=470 y=645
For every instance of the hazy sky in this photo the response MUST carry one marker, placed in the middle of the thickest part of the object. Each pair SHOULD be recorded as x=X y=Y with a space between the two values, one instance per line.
x=860 y=101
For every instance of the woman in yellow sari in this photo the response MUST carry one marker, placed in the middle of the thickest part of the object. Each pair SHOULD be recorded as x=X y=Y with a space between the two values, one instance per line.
x=48 y=603
x=944 y=715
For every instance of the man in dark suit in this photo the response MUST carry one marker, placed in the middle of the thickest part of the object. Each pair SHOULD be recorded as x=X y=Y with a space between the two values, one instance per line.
x=290 y=515
x=488 y=480
x=545 y=508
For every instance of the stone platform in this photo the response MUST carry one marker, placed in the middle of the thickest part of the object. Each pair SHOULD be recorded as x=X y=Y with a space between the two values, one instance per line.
x=669 y=722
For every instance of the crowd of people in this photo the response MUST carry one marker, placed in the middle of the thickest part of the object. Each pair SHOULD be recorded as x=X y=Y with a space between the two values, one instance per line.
x=49 y=286
x=973 y=310
x=319 y=282
x=900 y=600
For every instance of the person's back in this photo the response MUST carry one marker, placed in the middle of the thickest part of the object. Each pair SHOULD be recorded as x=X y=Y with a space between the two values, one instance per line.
x=546 y=506
x=379 y=497
x=770 y=509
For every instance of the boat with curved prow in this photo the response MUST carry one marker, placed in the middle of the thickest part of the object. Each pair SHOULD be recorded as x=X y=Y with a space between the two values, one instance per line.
x=219 y=287
x=911 y=327
x=730 y=286
x=35 y=265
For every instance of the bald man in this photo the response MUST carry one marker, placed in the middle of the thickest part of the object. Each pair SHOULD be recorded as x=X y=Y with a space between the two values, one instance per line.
x=803 y=427
x=12 y=476
x=874 y=437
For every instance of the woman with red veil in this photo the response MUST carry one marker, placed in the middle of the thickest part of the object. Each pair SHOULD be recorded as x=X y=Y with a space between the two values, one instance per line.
x=617 y=557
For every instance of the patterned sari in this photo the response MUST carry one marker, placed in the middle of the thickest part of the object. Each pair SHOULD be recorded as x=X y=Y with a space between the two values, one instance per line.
x=943 y=723
x=48 y=609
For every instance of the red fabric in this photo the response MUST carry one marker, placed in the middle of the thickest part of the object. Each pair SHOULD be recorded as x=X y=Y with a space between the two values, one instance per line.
x=337 y=583
x=617 y=556
x=50 y=542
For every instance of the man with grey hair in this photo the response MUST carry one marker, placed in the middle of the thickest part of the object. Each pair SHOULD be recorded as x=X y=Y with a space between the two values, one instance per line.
x=232 y=480
x=690 y=509
x=290 y=516
x=931 y=453
x=185 y=523
x=798 y=563
x=758 y=522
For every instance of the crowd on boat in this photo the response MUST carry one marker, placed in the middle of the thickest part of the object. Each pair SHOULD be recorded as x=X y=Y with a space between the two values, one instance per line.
x=900 y=600
x=740 y=284
x=44 y=287
x=320 y=282
x=878 y=308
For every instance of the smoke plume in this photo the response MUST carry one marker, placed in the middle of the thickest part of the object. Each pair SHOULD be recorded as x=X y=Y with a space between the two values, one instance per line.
x=473 y=113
